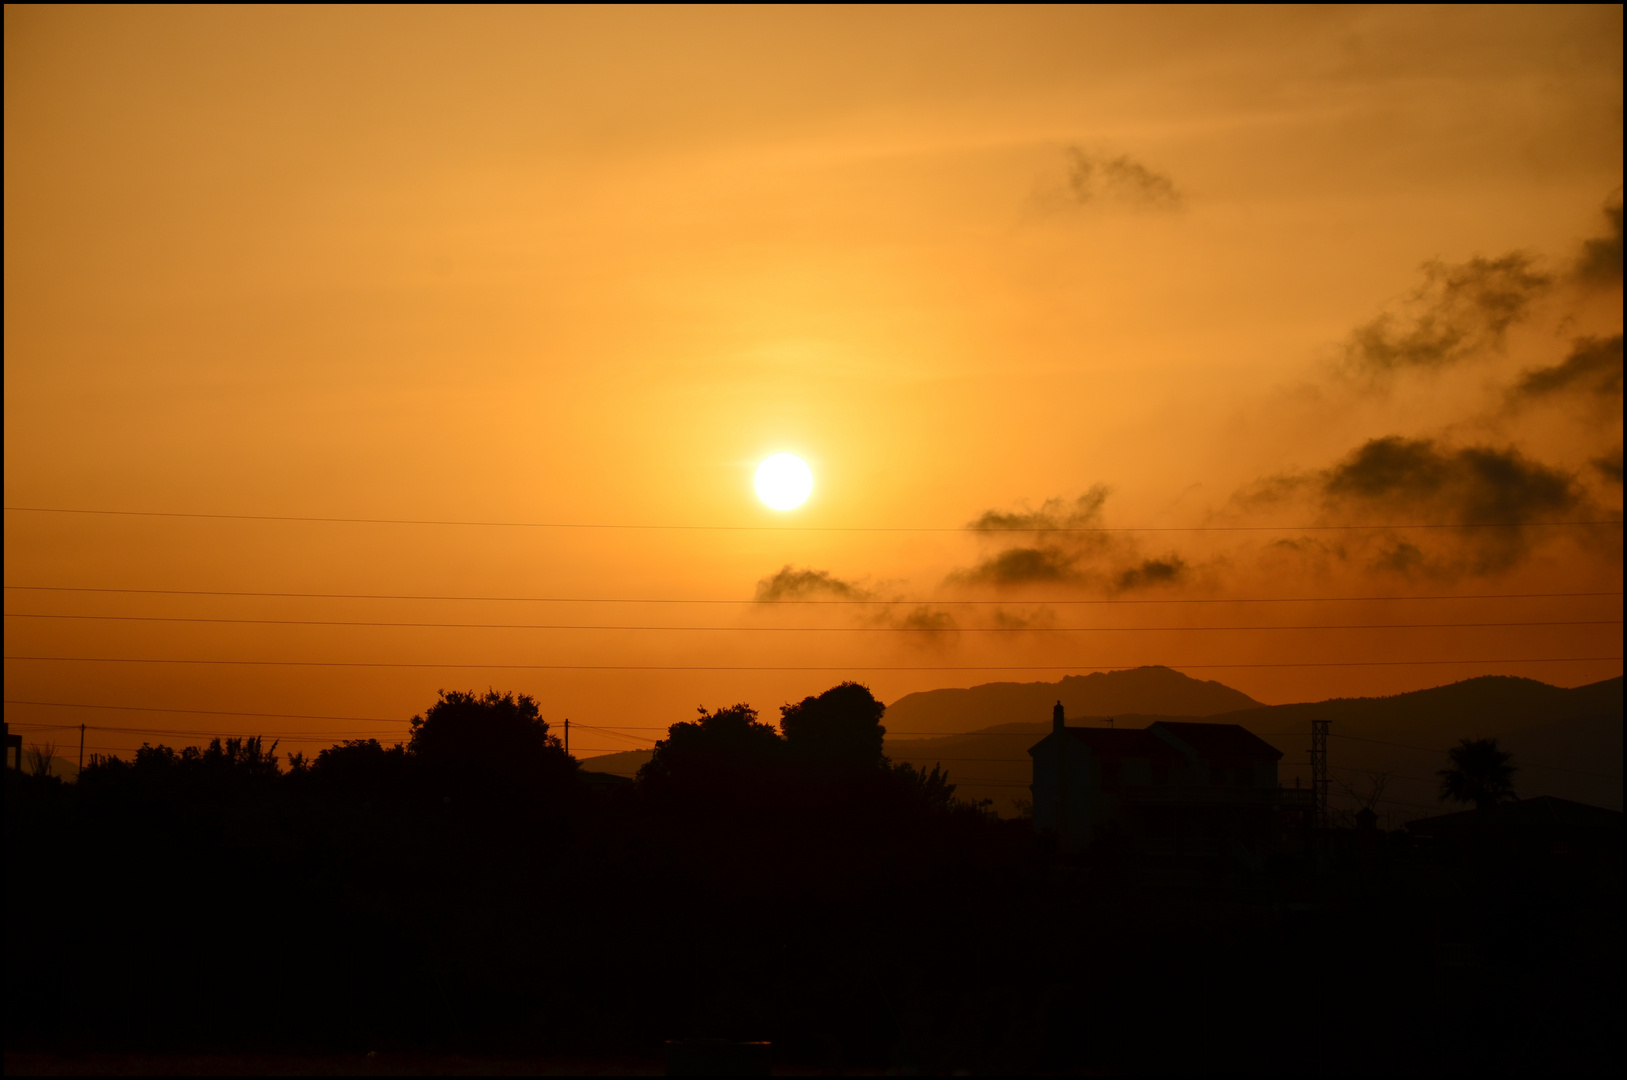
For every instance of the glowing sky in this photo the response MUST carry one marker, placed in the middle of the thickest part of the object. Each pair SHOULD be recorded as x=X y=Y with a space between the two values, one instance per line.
x=1140 y=268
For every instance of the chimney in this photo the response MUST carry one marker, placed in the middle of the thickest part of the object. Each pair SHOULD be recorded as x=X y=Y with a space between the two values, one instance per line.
x=1056 y=718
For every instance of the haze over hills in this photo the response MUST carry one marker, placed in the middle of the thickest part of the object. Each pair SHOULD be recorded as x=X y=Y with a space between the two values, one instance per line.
x=1152 y=691
x=1566 y=742
x=1488 y=704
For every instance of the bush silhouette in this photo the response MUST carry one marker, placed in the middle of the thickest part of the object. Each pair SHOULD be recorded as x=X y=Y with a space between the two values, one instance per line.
x=359 y=766
x=223 y=765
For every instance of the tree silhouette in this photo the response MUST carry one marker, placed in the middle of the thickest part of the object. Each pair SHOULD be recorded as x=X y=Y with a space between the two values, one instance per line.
x=841 y=727
x=1479 y=773
x=479 y=750
x=464 y=727
x=724 y=751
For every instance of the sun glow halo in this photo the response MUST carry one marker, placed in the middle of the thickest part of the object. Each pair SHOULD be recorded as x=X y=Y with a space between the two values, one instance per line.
x=784 y=481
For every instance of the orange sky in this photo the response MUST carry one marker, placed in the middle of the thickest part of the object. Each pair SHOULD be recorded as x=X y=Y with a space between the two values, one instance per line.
x=588 y=267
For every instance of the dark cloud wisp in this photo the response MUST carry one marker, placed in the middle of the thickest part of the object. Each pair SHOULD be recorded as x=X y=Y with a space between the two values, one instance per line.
x=1070 y=545
x=1600 y=261
x=1094 y=178
x=1476 y=485
x=790 y=583
x=1459 y=310
x=1609 y=464
x=1024 y=566
x=1593 y=366
x=1168 y=570
x=1054 y=515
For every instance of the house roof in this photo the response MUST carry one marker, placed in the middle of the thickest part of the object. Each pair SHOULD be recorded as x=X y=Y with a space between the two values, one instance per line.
x=1538 y=812
x=1231 y=743
x=1123 y=742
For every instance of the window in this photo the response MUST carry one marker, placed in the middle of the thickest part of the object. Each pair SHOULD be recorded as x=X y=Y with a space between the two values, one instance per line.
x=1243 y=776
x=1160 y=772
x=1217 y=775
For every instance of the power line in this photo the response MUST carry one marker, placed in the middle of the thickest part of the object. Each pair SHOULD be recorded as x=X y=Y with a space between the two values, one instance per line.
x=270 y=737
x=617 y=730
x=800 y=528
x=1040 y=728
x=202 y=712
x=799 y=667
x=618 y=735
x=332 y=739
x=979 y=760
x=803 y=602
x=200 y=734
x=807 y=629
x=1435 y=750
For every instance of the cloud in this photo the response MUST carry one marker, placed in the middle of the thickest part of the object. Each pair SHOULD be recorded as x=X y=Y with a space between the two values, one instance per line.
x=789 y=583
x=1023 y=566
x=1023 y=620
x=1402 y=557
x=1420 y=481
x=1494 y=493
x=792 y=583
x=1600 y=261
x=1593 y=366
x=1169 y=570
x=927 y=618
x=1459 y=310
x=1095 y=178
x=1271 y=491
x=1476 y=485
x=1085 y=512
x=1070 y=546
x=1609 y=463
x=1055 y=553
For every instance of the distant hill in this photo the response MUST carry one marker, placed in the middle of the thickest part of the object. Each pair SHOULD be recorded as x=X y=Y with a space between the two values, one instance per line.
x=1154 y=691
x=1566 y=742
x=627 y=763
x=1491 y=703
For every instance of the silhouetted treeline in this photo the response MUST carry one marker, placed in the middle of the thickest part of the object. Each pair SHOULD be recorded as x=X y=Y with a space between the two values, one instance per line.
x=471 y=888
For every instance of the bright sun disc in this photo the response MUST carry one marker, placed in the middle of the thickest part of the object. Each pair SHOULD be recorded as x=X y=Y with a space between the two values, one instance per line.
x=784 y=481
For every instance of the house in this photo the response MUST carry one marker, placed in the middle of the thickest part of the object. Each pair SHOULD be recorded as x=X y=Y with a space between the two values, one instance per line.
x=1173 y=785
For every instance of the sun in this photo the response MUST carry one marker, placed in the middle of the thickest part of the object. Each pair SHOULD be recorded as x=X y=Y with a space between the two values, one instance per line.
x=784 y=481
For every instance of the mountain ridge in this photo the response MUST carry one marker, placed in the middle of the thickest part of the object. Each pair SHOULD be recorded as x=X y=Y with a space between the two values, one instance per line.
x=1151 y=690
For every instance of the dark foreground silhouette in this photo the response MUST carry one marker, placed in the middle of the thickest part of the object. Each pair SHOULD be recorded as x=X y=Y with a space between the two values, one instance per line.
x=471 y=892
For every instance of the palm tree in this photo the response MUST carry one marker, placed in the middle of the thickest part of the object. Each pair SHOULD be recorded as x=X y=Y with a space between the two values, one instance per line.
x=1480 y=773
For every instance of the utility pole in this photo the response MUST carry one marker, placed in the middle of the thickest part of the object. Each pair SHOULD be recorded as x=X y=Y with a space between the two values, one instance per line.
x=567 y=735
x=1319 y=771
x=81 y=746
